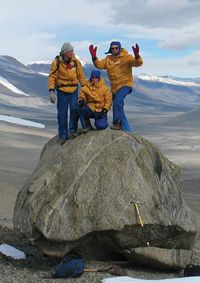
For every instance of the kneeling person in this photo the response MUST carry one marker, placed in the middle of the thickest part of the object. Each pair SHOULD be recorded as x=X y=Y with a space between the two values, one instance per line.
x=94 y=102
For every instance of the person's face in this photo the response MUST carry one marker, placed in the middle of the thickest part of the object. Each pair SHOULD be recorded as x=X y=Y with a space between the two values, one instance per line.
x=94 y=80
x=68 y=55
x=115 y=49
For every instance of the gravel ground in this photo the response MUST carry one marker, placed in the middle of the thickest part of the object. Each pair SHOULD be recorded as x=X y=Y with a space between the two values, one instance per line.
x=38 y=268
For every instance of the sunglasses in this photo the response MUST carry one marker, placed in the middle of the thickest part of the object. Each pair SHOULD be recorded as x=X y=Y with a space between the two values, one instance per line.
x=114 y=48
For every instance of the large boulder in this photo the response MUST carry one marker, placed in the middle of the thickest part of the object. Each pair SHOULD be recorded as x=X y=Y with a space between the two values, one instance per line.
x=80 y=198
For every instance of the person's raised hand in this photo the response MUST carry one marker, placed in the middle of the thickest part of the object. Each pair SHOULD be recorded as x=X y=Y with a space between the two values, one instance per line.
x=136 y=51
x=93 y=51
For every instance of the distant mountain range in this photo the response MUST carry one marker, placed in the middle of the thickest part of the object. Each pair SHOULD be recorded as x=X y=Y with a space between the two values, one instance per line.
x=26 y=86
x=168 y=92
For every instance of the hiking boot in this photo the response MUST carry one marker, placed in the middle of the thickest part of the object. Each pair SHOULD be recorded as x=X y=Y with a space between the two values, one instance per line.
x=85 y=130
x=74 y=135
x=62 y=141
x=116 y=126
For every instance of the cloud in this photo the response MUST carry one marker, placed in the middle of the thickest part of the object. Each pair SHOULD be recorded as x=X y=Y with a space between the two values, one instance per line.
x=181 y=39
x=176 y=24
x=187 y=66
x=29 y=47
x=36 y=30
x=154 y=13
x=52 y=13
x=193 y=59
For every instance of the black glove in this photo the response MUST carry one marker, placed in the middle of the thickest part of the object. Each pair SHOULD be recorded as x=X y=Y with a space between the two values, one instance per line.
x=98 y=115
x=104 y=111
x=81 y=104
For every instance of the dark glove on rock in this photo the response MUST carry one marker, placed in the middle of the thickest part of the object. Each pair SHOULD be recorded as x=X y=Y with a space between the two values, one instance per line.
x=98 y=115
x=81 y=104
x=93 y=51
x=136 y=51
x=104 y=111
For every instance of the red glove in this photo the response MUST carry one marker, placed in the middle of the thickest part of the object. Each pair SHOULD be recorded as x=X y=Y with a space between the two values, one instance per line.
x=136 y=50
x=93 y=51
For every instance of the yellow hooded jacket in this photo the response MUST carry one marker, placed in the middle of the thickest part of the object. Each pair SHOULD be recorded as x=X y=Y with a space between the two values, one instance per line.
x=96 y=96
x=119 y=69
x=65 y=77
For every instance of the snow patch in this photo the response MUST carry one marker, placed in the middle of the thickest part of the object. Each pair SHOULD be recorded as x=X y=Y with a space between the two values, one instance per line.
x=49 y=61
x=19 y=121
x=126 y=279
x=172 y=81
x=43 y=74
x=44 y=61
x=32 y=102
x=10 y=86
x=12 y=252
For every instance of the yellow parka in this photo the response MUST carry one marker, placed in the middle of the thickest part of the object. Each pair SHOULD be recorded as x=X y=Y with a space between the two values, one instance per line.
x=119 y=69
x=65 y=77
x=96 y=96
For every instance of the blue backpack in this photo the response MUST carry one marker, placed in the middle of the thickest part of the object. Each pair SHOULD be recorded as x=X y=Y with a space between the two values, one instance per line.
x=70 y=267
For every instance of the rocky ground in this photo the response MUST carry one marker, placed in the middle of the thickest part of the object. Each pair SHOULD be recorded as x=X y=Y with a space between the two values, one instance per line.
x=38 y=268
x=19 y=154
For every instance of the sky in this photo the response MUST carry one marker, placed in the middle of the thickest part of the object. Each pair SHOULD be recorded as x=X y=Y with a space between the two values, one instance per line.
x=167 y=31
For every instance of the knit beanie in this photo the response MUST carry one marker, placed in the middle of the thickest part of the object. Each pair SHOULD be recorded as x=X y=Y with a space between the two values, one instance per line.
x=114 y=43
x=66 y=48
x=95 y=74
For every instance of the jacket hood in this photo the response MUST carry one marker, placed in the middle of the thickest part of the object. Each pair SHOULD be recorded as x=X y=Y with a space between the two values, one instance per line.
x=114 y=43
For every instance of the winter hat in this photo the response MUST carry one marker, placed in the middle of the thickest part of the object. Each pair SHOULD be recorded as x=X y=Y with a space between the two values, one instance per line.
x=95 y=74
x=66 y=47
x=114 y=43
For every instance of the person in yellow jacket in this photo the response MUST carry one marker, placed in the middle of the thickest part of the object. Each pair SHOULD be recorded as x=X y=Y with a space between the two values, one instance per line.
x=65 y=74
x=119 y=68
x=94 y=102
